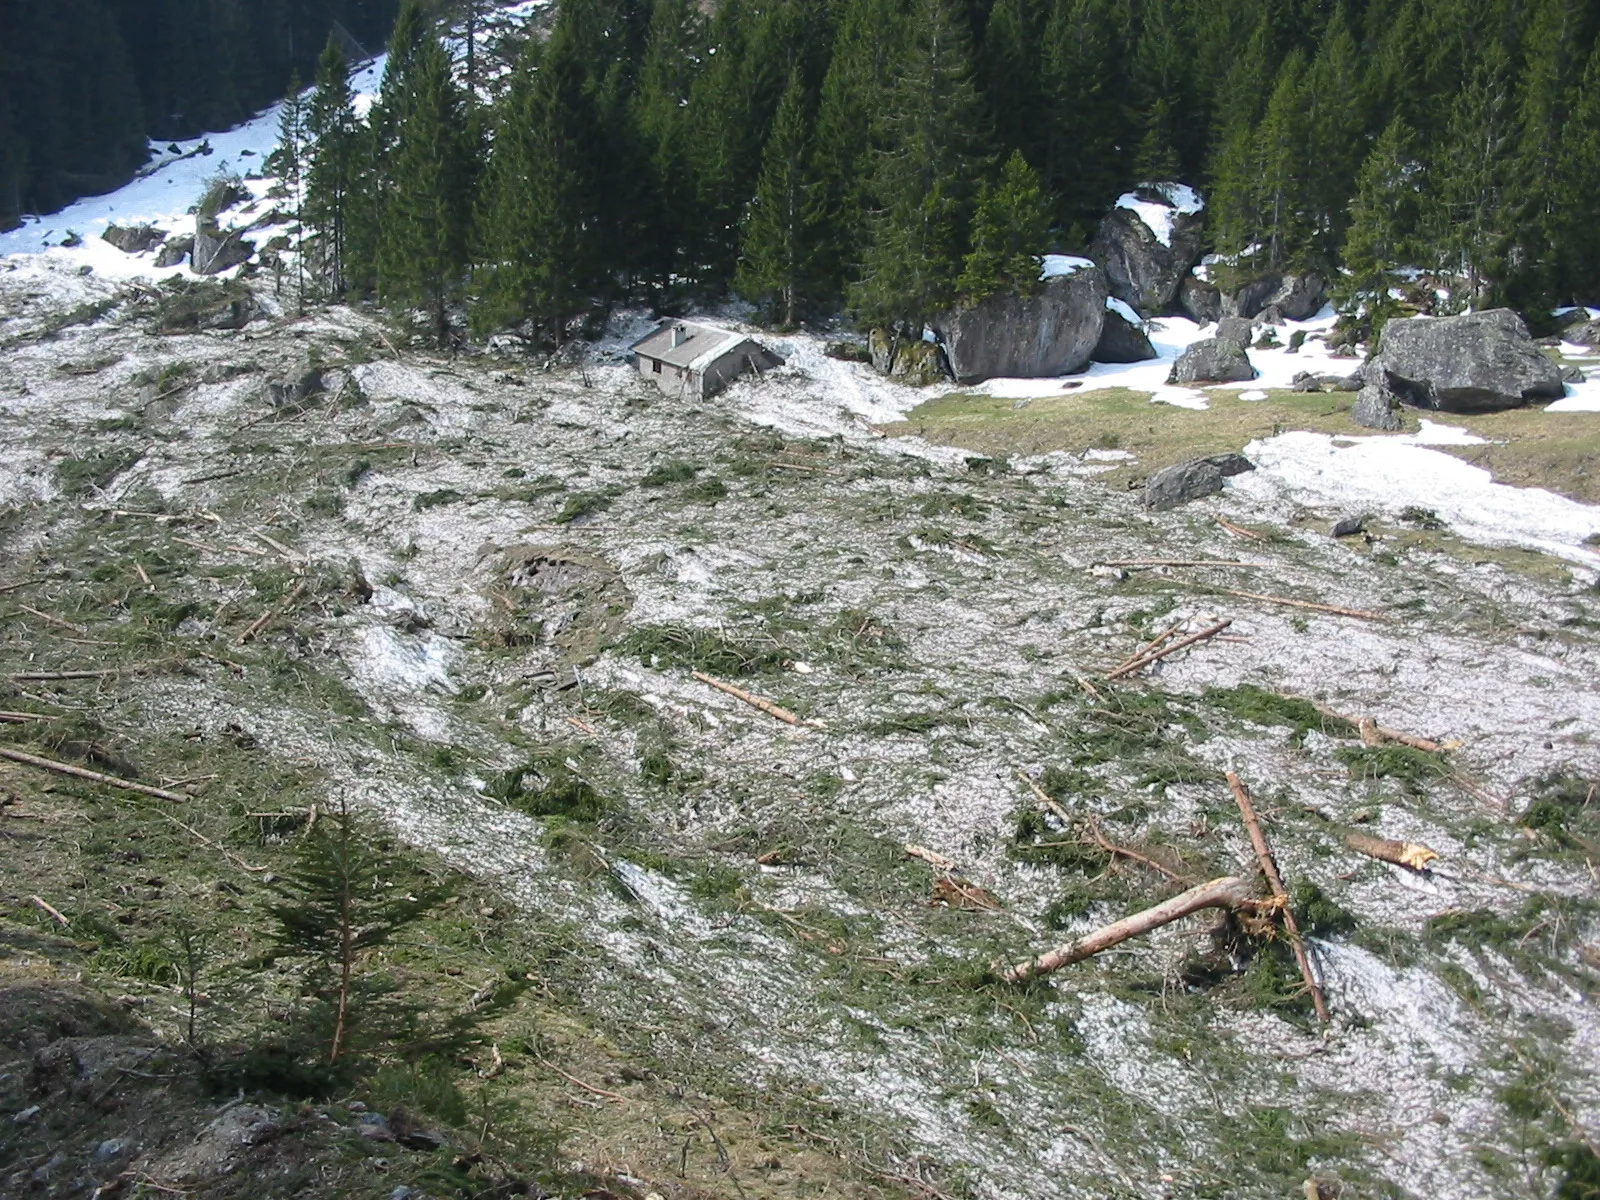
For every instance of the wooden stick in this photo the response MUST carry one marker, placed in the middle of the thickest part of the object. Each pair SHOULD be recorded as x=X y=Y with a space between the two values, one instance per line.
x=20 y=718
x=279 y=547
x=42 y=676
x=1149 y=646
x=7 y=589
x=271 y=615
x=139 y=567
x=1140 y=663
x=44 y=616
x=583 y=725
x=1404 y=854
x=223 y=850
x=45 y=908
x=61 y=768
x=1115 y=850
x=754 y=701
x=1227 y=892
x=588 y=1087
x=1369 y=729
x=933 y=858
x=1174 y=562
x=1046 y=801
x=1269 y=868
x=1335 y=609
x=1249 y=535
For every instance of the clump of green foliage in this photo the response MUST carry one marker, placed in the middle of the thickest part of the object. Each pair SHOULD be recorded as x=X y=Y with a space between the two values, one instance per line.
x=673 y=471
x=683 y=647
x=80 y=474
x=1413 y=769
x=1565 y=812
x=549 y=785
x=582 y=504
x=1261 y=707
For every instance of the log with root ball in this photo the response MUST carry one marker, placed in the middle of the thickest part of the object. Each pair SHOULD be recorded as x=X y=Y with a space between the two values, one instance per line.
x=1229 y=892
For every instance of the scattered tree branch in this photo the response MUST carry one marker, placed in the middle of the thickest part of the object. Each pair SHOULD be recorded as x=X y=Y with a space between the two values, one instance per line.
x=61 y=768
x=755 y=701
x=1269 y=868
x=1250 y=535
x=1404 y=854
x=1335 y=609
x=1139 y=664
x=1228 y=892
x=49 y=910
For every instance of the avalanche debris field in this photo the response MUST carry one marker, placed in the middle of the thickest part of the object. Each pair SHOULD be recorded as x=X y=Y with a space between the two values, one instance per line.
x=470 y=597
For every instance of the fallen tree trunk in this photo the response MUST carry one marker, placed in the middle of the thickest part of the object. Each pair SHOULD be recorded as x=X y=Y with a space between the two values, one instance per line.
x=1228 y=892
x=1403 y=854
x=1139 y=664
x=61 y=768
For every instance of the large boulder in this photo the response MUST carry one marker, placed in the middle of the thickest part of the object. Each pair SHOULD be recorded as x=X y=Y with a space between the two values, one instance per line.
x=1213 y=360
x=1376 y=407
x=1123 y=338
x=1052 y=332
x=1191 y=480
x=134 y=239
x=1149 y=243
x=1477 y=362
x=1583 y=333
x=216 y=251
x=1295 y=297
x=1198 y=300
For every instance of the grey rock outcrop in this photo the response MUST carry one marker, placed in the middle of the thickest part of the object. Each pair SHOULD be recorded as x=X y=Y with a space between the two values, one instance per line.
x=1198 y=300
x=174 y=252
x=1584 y=333
x=912 y=361
x=1295 y=297
x=1052 y=332
x=1122 y=340
x=215 y=251
x=134 y=239
x=1377 y=407
x=1305 y=381
x=1191 y=480
x=1143 y=266
x=1234 y=329
x=1476 y=362
x=1213 y=360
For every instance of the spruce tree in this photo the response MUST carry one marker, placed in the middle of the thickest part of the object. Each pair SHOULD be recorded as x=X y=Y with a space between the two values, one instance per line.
x=1382 y=230
x=330 y=175
x=934 y=139
x=1081 y=119
x=854 y=92
x=288 y=162
x=1575 y=232
x=423 y=249
x=1472 y=206
x=1333 y=101
x=780 y=228
x=1011 y=73
x=542 y=238
x=1010 y=227
x=675 y=47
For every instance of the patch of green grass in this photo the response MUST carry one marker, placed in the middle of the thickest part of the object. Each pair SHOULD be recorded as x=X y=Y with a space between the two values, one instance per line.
x=707 y=491
x=1565 y=812
x=437 y=499
x=325 y=502
x=1413 y=769
x=1261 y=707
x=547 y=785
x=672 y=471
x=685 y=648
x=1317 y=915
x=961 y=504
x=81 y=474
x=580 y=505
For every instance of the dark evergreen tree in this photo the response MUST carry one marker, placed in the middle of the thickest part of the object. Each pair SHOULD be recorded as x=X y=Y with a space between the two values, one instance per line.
x=924 y=177
x=288 y=163
x=1010 y=230
x=1081 y=158
x=1575 y=233
x=1012 y=76
x=780 y=228
x=676 y=47
x=1381 y=239
x=542 y=236
x=422 y=251
x=330 y=176
x=1333 y=104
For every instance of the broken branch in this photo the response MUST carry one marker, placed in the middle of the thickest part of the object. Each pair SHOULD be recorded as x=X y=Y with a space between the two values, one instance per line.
x=1405 y=854
x=1335 y=609
x=61 y=768
x=1046 y=801
x=1155 y=656
x=1269 y=868
x=1250 y=535
x=268 y=617
x=1174 y=562
x=753 y=700
x=1117 y=851
x=933 y=858
x=1228 y=892
x=45 y=908
x=46 y=617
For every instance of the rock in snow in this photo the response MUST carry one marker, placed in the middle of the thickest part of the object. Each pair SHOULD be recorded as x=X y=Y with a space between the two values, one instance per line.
x=1123 y=338
x=1213 y=360
x=134 y=239
x=1052 y=332
x=1198 y=300
x=912 y=361
x=215 y=251
x=1191 y=480
x=1292 y=297
x=1477 y=362
x=1148 y=244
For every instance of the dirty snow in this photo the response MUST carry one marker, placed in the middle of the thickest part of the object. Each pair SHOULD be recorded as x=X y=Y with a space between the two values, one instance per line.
x=1160 y=218
x=1060 y=266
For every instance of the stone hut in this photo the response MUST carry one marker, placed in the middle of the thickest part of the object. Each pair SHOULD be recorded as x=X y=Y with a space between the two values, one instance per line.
x=697 y=361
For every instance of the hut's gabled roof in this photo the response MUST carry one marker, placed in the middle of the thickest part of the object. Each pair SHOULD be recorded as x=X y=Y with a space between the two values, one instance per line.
x=699 y=344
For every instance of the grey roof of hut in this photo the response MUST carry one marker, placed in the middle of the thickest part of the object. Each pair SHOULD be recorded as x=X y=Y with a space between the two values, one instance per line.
x=700 y=345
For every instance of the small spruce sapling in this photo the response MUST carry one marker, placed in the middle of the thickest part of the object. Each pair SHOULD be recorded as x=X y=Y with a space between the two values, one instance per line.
x=1009 y=231
x=343 y=899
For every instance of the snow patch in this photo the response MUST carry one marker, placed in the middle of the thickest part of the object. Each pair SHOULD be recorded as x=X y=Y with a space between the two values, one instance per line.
x=1160 y=217
x=1059 y=266
x=1124 y=310
x=1388 y=474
